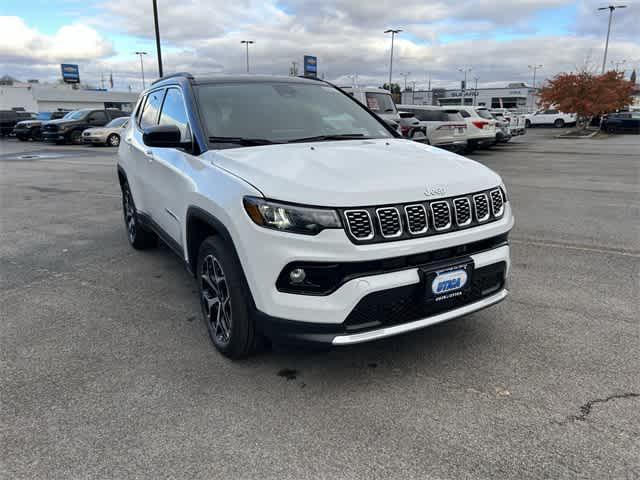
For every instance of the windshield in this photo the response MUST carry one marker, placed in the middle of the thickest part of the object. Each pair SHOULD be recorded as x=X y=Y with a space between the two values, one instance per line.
x=282 y=112
x=380 y=102
x=77 y=115
x=484 y=114
x=117 y=122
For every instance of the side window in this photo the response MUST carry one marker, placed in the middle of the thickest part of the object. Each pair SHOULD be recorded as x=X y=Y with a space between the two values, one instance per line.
x=98 y=118
x=465 y=114
x=149 y=117
x=174 y=113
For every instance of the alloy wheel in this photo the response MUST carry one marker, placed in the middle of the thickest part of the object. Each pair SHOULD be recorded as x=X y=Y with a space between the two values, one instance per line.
x=129 y=215
x=216 y=300
x=113 y=140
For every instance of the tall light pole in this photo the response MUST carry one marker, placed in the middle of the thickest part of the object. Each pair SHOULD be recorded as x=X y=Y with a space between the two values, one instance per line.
x=465 y=70
x=247 y=43
x=611 y=8
x=157 y=27
x=140 y=54
x=617 y=64
x=475 y=90
x=393 y=33
x=405 y=75
x=535 y=69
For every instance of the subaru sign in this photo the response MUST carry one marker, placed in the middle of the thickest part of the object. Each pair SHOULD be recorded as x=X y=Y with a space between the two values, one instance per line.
x=70 y=73
x=310 y=66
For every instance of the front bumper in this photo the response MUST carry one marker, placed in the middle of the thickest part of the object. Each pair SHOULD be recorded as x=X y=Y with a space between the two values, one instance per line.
x=53 y=137
x=263 y=266
x=93 y=139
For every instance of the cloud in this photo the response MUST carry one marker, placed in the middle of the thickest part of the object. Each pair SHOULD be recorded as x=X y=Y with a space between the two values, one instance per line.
x=203 y=36
x=75 y=42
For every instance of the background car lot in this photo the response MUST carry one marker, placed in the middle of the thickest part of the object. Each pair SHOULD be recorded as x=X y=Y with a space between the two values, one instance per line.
x=108 y=373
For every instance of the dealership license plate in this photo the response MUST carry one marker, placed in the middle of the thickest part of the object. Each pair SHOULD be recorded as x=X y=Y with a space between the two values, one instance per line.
x=448 y=282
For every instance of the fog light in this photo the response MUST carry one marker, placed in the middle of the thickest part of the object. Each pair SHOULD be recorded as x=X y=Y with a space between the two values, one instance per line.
x=297 y=275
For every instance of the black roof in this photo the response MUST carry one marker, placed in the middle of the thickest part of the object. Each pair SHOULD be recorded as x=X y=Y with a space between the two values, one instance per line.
x=209 y=79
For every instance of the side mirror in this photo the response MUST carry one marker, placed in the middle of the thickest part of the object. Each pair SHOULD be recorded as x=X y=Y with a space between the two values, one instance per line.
x=162 y=136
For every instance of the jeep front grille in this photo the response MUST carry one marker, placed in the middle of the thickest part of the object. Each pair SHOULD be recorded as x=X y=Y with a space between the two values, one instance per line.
x=421 y=219
x=390 y=223
x=441 y=215
x=481 y=205
x=497 y=203
x=359 y=224
x=416 y=219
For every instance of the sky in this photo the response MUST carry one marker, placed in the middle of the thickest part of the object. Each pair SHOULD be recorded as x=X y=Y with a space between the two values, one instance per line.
x=497 y=40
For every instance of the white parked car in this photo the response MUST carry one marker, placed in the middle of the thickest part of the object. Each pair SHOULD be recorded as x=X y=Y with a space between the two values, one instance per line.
x=551 y=117
x=481 y=126
x=445 y=130
x=303 y=217
x=378 y=100
x=517 y=121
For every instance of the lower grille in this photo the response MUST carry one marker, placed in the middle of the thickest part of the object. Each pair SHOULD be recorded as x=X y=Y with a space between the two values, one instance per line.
x=407 y=304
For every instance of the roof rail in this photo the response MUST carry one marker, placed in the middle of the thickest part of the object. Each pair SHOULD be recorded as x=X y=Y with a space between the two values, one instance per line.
x=178 y=74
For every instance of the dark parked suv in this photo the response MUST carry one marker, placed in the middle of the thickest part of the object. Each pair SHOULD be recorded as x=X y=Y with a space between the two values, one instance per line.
x=69 y=129
x=32 y=128
x=9 y=118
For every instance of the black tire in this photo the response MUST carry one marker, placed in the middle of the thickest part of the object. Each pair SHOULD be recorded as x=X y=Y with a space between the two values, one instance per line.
x=611 y=130
x=224 y=300
x=527 y=123
x=113 y=140
x=559 y=123
x=139 y=237
x=36 y=134
x=75 y=137
x=21 y=138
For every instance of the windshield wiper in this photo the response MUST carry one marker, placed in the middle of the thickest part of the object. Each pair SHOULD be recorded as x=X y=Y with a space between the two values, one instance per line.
x=322 y=138
x=243 y=141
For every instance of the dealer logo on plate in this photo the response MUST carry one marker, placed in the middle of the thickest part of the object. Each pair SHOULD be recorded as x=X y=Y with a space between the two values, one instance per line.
x=449 y=282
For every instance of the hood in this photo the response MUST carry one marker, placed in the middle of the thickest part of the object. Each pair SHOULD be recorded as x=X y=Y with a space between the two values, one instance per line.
x=354 y=172
x=28 y=123
x=59 y=121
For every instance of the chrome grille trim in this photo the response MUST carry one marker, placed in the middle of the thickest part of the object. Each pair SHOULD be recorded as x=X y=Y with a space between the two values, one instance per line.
x=408 y=215
x=397 y=217
x=475 y=207
x=497 y=212
x=433 y=214
x=455 y=211
x=359 y=211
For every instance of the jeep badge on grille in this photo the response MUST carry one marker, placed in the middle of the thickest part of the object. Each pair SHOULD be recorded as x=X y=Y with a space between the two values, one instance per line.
x=435 y=191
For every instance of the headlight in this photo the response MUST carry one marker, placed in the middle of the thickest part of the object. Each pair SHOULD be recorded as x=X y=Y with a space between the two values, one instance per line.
x=62 y=128
x=290 y=218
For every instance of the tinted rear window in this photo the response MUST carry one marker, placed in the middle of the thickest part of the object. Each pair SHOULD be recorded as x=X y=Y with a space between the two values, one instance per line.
x=431 y=115
x=484 y=114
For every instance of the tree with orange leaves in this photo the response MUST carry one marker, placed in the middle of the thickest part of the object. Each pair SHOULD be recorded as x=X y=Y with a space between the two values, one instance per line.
x=587 y=95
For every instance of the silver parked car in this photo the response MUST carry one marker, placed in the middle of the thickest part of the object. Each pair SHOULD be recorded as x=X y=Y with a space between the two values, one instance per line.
x=107 y=135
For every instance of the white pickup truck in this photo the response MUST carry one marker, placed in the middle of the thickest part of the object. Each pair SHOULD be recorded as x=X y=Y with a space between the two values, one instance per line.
x=550 y=117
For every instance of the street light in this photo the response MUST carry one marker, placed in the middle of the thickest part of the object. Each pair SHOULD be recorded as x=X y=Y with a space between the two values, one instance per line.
x=475 y=90
x=393 y=33
x=465 y=70
x=140 y=54
x=535 y=69
x=247 y=43
x=157 y=27
x=617 y=64
x=611 y=8
x=405 y=75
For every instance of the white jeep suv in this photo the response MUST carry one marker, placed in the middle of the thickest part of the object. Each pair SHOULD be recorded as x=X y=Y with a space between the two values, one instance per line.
x=303 y=217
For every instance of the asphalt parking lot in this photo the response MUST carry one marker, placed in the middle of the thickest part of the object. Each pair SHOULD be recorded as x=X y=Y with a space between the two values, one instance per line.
x=107 y=371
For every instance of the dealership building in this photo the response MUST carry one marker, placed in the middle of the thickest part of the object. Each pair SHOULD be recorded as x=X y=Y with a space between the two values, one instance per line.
x=34 y=97
x=515 y=96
